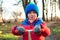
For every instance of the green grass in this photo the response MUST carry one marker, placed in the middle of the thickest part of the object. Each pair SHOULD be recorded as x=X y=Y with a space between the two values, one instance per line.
x=6 y=31
x=7 y=27
x=7 y=37
x=56 y=31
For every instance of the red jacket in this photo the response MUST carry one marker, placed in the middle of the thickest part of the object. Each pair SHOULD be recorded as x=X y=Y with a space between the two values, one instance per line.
x=45 y=31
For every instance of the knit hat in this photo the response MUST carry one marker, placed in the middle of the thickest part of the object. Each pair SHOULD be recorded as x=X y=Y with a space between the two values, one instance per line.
x=31 y=7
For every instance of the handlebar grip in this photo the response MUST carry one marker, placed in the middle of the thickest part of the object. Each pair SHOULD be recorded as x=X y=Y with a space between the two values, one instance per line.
x=20 y=30
x=37 y=29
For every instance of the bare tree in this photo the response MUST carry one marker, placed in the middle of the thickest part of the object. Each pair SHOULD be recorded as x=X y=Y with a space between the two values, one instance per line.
x=25 y=2
x=59 y=4
x=15 y=15
x=43 y=11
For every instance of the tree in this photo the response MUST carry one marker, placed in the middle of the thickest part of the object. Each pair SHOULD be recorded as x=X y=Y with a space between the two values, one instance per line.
x=59 y=4
x=25 y=2
x=43 y=11
x=35 y=1
x=51 y=16
x=15 y=15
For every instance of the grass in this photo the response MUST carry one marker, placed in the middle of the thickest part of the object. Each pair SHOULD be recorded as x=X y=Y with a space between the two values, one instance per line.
x=7 y=37
x=7 y=27
x=56 y=31
x=5 y=31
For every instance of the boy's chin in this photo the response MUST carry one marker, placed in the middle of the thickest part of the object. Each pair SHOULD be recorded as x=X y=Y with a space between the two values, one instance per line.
x=33 y=19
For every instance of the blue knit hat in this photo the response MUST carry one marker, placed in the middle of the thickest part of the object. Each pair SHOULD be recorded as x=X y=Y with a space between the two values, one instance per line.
x=31 y=7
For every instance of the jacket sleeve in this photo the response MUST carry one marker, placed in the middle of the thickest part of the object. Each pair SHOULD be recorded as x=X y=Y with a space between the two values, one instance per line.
x=45 y=31
x=14 y=31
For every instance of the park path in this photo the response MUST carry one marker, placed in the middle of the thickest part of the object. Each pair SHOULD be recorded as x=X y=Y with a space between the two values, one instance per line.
x=51 y=37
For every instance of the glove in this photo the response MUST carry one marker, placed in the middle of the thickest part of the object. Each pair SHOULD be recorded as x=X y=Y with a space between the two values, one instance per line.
x=20 y=30
x=37 y=29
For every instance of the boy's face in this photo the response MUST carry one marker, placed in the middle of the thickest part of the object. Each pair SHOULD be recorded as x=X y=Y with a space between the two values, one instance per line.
x=32 y=15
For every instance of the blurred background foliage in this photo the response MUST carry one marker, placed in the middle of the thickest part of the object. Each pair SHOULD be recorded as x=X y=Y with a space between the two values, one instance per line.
x=49 y=9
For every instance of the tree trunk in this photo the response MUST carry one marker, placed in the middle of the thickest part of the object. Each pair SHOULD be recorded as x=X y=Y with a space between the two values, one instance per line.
x=35 y=1
x=51 y=16
x=25 y=2
x=43 y=11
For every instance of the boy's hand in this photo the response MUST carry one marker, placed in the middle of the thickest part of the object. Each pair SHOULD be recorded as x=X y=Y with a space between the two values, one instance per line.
x=20 y=30
x=37 y=29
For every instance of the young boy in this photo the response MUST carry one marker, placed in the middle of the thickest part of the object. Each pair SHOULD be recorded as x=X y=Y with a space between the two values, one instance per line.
x=38 y=28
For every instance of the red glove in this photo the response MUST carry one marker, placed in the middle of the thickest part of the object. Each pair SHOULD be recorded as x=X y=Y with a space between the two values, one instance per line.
x=45 y=31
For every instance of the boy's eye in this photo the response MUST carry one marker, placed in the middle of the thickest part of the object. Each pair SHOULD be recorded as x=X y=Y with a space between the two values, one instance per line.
x=32 y=12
